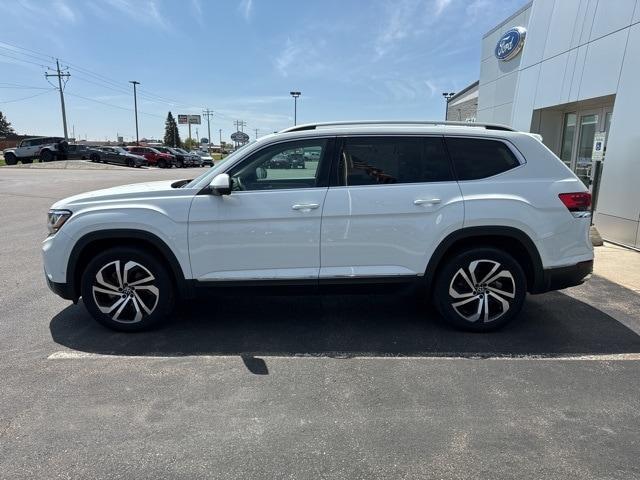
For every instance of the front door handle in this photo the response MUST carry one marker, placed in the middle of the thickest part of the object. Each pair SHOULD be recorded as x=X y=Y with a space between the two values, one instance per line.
x=425 y=201
x=305 y=207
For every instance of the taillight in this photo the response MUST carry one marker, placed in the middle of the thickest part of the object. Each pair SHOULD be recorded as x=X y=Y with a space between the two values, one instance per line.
x=576 y=202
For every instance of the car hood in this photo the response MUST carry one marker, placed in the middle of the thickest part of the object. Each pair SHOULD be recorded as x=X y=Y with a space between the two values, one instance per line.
x=124 y=192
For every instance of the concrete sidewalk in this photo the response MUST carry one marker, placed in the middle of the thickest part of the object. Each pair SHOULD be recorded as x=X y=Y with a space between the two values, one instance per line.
x=619 y=265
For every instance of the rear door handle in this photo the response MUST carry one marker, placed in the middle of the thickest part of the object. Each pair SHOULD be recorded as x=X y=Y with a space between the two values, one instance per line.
x=305 y=207
x=425 y=201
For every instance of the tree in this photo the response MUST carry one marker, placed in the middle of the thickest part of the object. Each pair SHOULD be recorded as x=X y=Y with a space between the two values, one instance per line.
x=190 y=143
x=5 y=126
x=171 y=132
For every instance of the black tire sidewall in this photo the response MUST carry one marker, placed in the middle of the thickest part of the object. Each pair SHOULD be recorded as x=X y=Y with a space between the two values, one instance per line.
x=10 y=159
x=442 y=299
x=155 y=266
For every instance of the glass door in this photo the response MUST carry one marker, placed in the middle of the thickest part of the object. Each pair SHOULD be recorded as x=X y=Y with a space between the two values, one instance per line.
x=588 y=126
x=568 y=138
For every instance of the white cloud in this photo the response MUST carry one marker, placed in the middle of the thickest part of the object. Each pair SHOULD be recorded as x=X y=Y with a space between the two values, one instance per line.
x=147 y=11
x=246 y=7
x=406 y=18
x=64 y=11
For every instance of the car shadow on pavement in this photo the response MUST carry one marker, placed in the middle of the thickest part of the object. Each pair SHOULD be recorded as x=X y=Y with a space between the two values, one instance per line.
x=554 y=324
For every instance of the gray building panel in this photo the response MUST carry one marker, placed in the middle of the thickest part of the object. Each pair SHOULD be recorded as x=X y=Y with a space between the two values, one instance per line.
x=580 y=56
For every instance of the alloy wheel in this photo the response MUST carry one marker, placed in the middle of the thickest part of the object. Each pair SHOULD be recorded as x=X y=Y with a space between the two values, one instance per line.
x=484 y=290
x=125 y=291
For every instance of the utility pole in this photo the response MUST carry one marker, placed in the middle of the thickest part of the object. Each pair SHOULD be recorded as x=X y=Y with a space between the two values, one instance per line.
x=135 y=106
x=447 y=98
x=60 y=76
x=208 y=113
x=256 y=130
x=295 y=95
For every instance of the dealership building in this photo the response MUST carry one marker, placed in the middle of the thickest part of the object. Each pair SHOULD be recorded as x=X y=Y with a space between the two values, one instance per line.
x=570 y=71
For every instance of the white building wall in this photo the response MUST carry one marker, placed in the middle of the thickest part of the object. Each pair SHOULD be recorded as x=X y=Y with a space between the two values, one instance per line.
x=576 y=50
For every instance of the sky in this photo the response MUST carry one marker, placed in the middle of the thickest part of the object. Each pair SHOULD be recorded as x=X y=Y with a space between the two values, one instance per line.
x=351 y=59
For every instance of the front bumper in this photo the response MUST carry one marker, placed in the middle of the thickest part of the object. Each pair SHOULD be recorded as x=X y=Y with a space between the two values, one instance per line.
x=565 y=277
x=63 y=290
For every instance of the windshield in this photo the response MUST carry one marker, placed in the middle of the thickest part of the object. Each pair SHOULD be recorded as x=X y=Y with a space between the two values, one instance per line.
x=180 y=150
x=119 y=149
x=207 y=176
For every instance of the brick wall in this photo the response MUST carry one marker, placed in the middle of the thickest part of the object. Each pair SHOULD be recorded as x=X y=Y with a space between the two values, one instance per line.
x=463 y=111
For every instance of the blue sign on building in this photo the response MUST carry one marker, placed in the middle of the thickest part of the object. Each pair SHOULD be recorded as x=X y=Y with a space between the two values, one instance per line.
x=510 y=43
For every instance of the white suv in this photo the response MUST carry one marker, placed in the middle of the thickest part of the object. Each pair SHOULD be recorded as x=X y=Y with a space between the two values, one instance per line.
x=45 y=149
x=473 y=215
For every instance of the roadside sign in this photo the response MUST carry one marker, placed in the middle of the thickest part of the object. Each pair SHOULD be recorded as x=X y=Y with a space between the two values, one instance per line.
x=597 y=153
x=240 y=137
x=189 y=119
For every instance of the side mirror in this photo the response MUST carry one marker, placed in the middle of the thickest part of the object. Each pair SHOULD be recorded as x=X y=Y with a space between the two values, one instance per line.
x=221 y=184
x=261 y=173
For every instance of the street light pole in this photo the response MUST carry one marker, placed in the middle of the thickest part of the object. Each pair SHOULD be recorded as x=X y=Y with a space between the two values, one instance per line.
x=295 y=96
x=135 y=107
x=447 y=97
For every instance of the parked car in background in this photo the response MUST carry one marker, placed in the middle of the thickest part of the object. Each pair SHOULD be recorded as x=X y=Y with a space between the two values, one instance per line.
x=183 y=159
x=193 y=159
x=117 y=156
x=155 y=158
x=45 y=149
x=77 y=151
x=207 y=159
x=296 y=160
x=278 y=161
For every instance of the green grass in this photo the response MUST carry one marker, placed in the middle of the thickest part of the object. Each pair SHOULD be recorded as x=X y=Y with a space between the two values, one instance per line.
x=2 y=164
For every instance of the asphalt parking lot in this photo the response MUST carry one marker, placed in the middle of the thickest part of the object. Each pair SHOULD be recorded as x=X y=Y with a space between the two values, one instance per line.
x=305 y=387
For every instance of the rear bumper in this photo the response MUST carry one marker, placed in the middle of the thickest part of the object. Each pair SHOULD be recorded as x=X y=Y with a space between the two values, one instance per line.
x=565 y=277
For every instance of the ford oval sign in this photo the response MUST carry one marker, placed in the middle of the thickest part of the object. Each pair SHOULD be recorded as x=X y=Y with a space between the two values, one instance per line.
x=510 y=43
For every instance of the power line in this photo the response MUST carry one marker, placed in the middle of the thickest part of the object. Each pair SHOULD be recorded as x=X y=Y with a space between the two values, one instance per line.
x=27 y=98
x=112 y=105
x=23 y=60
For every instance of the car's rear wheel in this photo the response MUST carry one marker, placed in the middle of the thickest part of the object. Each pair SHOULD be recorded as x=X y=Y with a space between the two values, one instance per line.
x=480 y=289
x=130 y=163
x=127 y=289
x=10 y=159
x=46 y=156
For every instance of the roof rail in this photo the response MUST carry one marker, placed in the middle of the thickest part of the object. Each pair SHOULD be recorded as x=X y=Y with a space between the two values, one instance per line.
x=313 y=126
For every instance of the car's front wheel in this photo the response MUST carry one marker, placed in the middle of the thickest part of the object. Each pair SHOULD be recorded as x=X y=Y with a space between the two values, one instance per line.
x=127 y=289
x=480 y=289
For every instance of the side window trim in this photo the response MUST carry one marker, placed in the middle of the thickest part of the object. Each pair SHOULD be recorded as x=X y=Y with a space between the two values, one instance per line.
x=512 y=148
x=335 y=180
x=324 y=165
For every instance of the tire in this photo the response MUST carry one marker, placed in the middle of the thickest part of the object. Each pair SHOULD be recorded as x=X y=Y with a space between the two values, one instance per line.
x=468 y=282
x=46 y=156
x=141 y=306
x=130 y=163
x=162 y=164
x=10 y=159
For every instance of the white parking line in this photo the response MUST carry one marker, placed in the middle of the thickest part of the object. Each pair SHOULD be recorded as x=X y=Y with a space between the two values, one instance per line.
x=73 y=355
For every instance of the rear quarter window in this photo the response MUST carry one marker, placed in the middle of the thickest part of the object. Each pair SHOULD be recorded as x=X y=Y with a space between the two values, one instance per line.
x=476 y=158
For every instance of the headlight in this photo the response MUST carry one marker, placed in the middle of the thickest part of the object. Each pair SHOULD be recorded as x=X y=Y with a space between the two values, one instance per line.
x=57 y=218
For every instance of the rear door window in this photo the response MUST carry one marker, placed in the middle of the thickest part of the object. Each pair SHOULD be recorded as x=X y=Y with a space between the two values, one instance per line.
x=476 y=158
x=389 y=160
